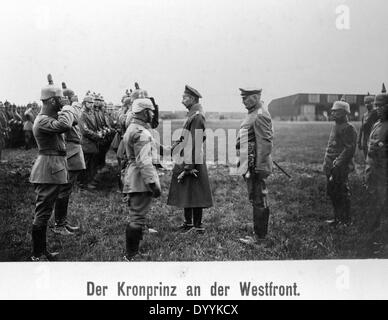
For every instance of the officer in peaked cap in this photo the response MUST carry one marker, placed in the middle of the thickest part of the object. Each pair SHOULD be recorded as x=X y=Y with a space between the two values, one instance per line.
x=192 y=92
x=338 y=162
x=141 y=181
x=254 y=147
x=190 y=187
x=49 y=171
x=377 y=163
x=368 y=119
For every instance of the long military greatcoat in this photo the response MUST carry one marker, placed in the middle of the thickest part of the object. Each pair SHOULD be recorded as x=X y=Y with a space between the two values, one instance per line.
x=191 y=192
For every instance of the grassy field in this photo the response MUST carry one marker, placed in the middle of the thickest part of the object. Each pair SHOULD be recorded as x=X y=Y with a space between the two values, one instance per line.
x=298 y=210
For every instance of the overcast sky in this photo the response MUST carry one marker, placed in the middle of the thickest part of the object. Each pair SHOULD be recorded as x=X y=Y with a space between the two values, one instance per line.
x=283 y=46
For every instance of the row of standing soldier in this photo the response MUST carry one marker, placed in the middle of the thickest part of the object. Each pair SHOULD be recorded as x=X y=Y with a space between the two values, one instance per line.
x=16 y=125
x=338 y=161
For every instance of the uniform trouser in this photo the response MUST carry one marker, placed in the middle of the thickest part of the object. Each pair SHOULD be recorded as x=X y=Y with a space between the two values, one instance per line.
x=339 y=193
x=193 y=215
x=28 y=139
x=139 y=204
x=46 y=195
x=377 y=199
x=257 y=193
x=87 y=175
x=62 y=202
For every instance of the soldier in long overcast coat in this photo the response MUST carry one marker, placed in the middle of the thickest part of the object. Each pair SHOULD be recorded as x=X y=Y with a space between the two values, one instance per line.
x=190 y=187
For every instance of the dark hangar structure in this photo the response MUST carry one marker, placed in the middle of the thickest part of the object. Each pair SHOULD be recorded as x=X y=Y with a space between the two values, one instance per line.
x=314 y=106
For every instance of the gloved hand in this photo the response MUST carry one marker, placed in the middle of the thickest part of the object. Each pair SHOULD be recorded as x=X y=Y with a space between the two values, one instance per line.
x=184 y=173
x=336 y=173
x=155 y=190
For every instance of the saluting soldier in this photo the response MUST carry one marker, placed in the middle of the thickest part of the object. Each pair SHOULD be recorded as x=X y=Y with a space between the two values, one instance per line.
x=369 y=118
x=377 y=163
x=49 y=171
x=190 y=187
x=254 y=147
x=141 y=181
x=338 y=162
x=75 y=164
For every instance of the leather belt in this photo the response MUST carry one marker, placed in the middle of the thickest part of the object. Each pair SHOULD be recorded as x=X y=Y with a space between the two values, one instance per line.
x=52 y=153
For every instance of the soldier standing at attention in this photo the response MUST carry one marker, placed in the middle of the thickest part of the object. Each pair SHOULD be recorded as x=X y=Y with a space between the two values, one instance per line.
x=49 y=171
x=3 y=128
x=141 y=180
x=75 y=164
x=369 y=118
x=190 y=188
x=90 y=140
x=254 y=147
x=338 y=162
x=30 y=115
x=377 y=163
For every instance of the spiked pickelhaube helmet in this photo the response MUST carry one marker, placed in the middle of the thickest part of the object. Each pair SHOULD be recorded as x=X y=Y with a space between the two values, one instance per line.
x=67 y=92
x=381 y=98
x=50 y=91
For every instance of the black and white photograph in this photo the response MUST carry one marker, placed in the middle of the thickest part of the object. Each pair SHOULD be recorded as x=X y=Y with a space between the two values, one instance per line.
x=201 y=132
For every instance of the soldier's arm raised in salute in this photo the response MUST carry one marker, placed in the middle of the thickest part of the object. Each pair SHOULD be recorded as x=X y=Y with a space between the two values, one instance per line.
x=62 y=124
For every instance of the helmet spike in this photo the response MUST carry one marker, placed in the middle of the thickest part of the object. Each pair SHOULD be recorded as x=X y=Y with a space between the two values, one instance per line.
x=50 y=79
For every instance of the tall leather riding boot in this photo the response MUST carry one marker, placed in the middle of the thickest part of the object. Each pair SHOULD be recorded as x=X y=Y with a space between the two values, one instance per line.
x=38 y=241
x=60 y=211
x=260 y=221
x=188 y=213
x=133 y=235
x=39 y=244
x=346 y=218
x=197 y=217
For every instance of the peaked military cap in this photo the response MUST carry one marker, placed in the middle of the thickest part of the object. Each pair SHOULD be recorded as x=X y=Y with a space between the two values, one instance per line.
x=249 y=91
x=191 y=91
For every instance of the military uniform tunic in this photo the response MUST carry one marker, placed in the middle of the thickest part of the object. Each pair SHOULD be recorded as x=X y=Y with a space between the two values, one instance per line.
x=254 y=147
x=338 y=163
x=49 y=171
x=139 y=172
x=377 y=166
x=367 y=122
